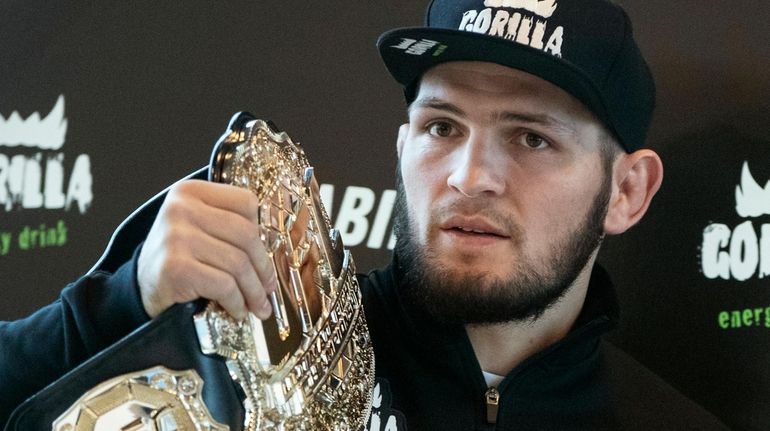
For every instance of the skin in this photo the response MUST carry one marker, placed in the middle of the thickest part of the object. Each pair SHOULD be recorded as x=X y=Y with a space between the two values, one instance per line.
x=497 y=166
x=205 y=244
x=518 y=156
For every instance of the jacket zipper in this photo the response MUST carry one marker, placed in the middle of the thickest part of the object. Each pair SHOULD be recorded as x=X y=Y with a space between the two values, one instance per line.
x=493 y=400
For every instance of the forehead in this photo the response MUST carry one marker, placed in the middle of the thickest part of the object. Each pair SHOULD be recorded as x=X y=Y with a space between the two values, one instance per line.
x=482 y=84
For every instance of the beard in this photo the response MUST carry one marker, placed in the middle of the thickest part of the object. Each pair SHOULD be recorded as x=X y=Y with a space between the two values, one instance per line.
x=529 y=289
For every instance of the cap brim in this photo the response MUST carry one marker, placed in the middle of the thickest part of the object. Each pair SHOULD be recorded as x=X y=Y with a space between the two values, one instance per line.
x=466 y=46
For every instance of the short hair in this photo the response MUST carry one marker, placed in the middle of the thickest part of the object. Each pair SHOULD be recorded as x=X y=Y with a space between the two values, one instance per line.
x=609 y=149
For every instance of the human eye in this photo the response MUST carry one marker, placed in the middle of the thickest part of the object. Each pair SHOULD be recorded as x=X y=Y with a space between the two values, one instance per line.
x=441 y=129
x=534 y=141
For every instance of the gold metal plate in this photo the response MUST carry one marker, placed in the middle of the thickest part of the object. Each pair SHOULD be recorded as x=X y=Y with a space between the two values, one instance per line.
x=156 y=399
x=311 y=365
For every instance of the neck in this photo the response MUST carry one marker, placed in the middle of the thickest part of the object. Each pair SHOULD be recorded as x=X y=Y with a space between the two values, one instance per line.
x=501 y=347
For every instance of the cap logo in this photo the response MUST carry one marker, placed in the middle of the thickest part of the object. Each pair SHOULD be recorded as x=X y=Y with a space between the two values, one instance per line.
x=543 y=8
x=521 y=21
x=419 y=47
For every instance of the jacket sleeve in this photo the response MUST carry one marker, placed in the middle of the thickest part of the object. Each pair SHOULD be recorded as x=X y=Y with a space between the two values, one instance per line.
x=90 y=314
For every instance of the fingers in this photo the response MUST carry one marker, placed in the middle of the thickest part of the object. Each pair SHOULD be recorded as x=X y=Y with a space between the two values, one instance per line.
x=224 y=196
x=241 y=234
x=207 y=282
x=205 y=243
x=243 y=279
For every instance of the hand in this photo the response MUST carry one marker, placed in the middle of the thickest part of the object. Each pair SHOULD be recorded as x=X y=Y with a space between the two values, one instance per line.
x=205 y=244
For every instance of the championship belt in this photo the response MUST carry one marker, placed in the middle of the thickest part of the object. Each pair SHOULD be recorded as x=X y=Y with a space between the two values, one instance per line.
x=310 y=366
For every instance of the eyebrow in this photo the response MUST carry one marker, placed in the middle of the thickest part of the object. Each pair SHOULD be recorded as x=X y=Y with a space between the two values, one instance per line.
x=436 y=103
x=507 y=116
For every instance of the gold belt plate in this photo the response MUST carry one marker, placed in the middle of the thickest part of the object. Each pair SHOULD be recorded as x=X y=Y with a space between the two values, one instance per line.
x=156 y=399
x=310 y=366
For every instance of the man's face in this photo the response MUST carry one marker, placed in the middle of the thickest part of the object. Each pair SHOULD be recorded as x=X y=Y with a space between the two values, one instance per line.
x=503 y=193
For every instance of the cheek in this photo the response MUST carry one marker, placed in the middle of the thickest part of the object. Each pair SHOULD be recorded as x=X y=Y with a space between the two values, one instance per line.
x=556 y=198
x=568 y=205
x=420 y=188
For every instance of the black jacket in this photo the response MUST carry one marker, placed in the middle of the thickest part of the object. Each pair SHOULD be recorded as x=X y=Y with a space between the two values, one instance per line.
x=428 y=375
x=580 y=383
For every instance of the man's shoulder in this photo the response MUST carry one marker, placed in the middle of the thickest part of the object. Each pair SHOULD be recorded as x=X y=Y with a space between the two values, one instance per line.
x=646 y=401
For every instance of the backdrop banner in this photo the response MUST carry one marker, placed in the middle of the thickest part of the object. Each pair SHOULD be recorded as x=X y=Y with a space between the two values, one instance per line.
x=104 y=105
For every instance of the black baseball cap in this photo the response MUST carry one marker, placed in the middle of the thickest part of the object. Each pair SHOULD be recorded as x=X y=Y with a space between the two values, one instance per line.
x=585 y=47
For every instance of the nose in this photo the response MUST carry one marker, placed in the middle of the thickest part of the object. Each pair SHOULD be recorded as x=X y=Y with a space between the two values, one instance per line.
x=476 y=169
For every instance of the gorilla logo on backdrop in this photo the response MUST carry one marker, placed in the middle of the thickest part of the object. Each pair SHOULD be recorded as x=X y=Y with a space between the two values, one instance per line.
x=33 y=176
x=742 y=252
x=751 y=200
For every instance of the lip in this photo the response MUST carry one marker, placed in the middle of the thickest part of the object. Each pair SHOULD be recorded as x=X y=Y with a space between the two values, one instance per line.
x=472 y=227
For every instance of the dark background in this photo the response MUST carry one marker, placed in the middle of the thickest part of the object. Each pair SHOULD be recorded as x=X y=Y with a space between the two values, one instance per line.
x=149 y=86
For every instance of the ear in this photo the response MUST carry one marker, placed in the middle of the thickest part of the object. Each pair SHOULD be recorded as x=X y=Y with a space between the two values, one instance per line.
x=636 y=177
x=403 y=132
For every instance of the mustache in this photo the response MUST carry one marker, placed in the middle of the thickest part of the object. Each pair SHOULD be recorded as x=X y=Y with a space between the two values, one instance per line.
x=473 y=208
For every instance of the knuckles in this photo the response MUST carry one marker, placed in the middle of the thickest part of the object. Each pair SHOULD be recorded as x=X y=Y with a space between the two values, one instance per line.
x=177 y=273
x=177 y=240
x=174 y=211
x=187 y=188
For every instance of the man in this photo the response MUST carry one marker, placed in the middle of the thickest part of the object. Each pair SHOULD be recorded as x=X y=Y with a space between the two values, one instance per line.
x=521 y=151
